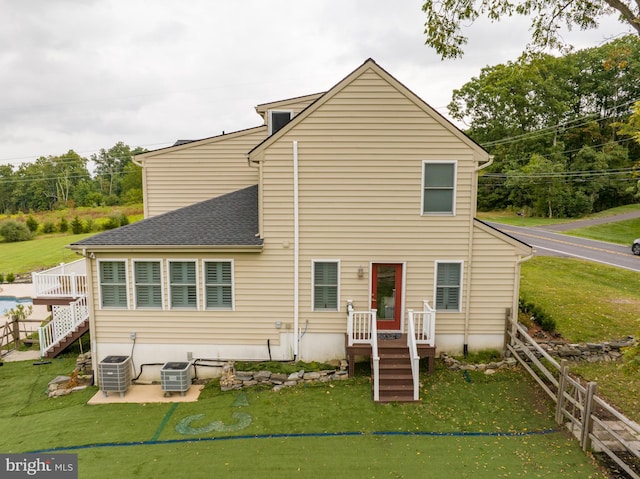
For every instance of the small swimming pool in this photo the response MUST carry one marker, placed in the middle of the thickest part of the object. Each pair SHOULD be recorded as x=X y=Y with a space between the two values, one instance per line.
x=10 y=302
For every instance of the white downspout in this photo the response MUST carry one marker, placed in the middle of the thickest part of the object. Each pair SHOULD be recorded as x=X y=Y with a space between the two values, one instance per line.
x=516 y=294
x=467 y=308
x=296 y=253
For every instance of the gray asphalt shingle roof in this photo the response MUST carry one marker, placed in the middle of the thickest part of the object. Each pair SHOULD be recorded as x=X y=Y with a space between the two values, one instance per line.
x=228 y=220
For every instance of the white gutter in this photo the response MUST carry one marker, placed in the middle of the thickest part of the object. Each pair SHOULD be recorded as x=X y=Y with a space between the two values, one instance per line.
x=467 y=308
x=296 y=252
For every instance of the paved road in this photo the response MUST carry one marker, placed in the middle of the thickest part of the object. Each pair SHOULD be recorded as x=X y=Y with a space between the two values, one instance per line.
x=551 y=243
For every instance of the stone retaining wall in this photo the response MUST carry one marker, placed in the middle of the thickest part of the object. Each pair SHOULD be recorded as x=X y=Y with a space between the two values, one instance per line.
x=232 y=379
x=592 y=352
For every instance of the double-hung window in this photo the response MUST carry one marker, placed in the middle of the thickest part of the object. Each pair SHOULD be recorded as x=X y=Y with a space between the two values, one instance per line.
x=218 y=279
x=325 y=285
x=148 y=284
x=448 y=286
x=113 y=284
x=182 y=284
x=438 y=187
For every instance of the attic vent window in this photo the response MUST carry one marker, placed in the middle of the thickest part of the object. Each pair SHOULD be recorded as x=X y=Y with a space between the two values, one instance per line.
x=278 y=119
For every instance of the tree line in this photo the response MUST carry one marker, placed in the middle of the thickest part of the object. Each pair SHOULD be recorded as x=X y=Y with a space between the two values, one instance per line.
x=65 y=181
x=561 y=129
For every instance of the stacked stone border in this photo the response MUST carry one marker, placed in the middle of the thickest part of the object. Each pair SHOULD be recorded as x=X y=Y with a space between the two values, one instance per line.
x=232 y=379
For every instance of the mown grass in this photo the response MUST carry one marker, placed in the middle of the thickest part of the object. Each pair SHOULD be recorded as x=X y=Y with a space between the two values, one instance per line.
x=621 y=389
x=48 y=250
x=141 y=440
x=620 y=232
x=512 y=218
x=39 y=253
x=589 y=301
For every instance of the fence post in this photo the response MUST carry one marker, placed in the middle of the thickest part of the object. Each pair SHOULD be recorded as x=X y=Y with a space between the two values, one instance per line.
x=587 y=423
x=16 y=332
x=562 y=384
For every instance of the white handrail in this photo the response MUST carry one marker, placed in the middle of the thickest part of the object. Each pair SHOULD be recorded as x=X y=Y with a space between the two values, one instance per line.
x=413 y=353
x=375 y=356
x=65 y=320
x=66 y=280
x=425 y=325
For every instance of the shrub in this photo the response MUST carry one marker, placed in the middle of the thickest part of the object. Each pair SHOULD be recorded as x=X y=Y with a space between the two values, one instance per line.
x=1 y=278
x=64 y=225
x=13 y=231
x=77 y=226
x=538 y=315
x=49 y=227
x=89 y=225
x=115 y=221
x=11 y=277
x=32 y=224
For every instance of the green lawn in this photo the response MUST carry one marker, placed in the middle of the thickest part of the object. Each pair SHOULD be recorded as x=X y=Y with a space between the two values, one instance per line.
x=621 y=232
x=589 y=301
x=37 y=254
x=480 y=426
x=511 y=218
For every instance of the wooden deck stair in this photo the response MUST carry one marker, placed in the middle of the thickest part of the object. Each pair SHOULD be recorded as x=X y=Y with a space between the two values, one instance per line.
x=395 y=377
x=68 y=340
x=396 y=380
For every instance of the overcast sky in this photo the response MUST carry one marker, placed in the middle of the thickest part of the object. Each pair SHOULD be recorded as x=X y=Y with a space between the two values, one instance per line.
x=85 y=74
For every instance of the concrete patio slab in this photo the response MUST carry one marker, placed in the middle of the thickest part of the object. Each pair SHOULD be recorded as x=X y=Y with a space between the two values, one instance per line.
x=16 y=355
x=138 y=393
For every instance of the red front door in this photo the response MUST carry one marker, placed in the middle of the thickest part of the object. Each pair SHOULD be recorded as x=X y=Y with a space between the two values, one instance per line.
x=386 y=295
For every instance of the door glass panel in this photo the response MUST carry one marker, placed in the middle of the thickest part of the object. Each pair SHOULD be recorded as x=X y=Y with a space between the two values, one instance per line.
x=386 y=291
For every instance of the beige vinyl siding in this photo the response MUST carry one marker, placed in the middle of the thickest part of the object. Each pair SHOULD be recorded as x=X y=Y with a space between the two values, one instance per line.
x=187 y=174
x=296 y=105
x=252 y=322
x=360 y=174
x=493 y=286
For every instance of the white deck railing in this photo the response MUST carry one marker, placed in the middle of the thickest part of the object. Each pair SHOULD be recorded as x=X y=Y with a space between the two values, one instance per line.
x=375 y=357
x=64 y=320
x=66 y=280
x=425 y=325
x=362 y=329
x=413 y=353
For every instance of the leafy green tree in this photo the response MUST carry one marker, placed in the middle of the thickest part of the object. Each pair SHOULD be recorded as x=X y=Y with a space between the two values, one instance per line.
x=539 y=185
x=555 y=107
x=445 y=19
x=112 y=165
x=132 y=184
x=7 y=186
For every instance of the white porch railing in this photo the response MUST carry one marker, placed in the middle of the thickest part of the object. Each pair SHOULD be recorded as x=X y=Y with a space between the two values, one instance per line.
x=375 y=357
x=413 y=354
x=64 y=320
x=66 y=280
x=425 y=325
x=362 y=329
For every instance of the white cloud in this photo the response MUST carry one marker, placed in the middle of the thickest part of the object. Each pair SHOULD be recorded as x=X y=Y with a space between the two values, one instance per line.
x=83 y=75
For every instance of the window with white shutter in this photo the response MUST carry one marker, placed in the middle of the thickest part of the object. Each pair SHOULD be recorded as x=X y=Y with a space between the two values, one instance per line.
x=113 y=284
x=182 y=284
x=218 y=278
x=325 y=285
x=148 y=284
x=448 y=286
